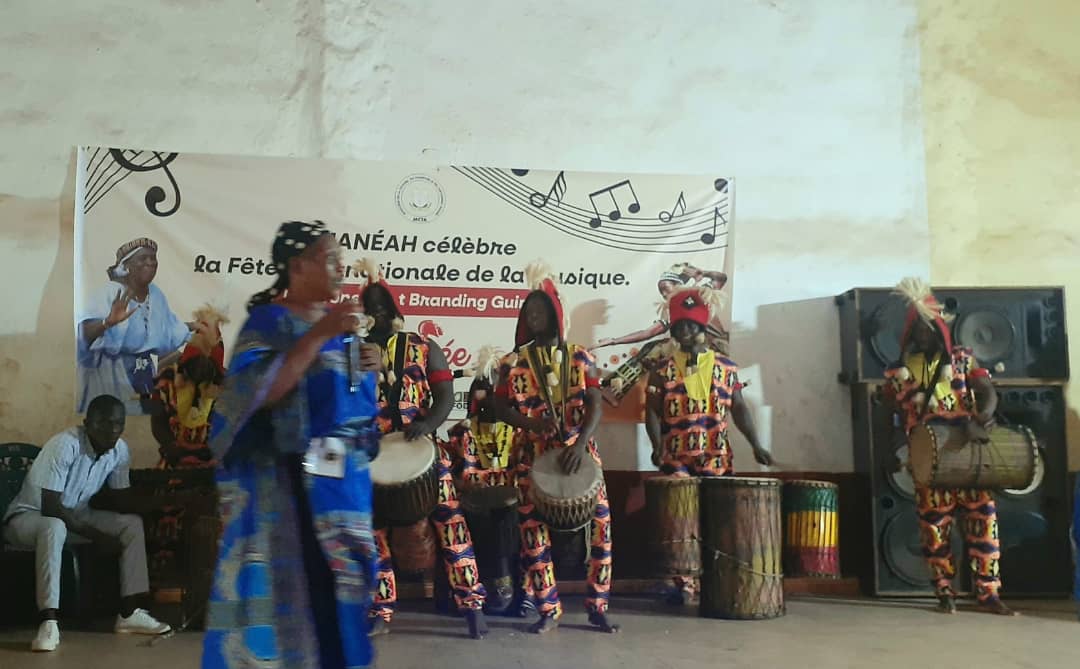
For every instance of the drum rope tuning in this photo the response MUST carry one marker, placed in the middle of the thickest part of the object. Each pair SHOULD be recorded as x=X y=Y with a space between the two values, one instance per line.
x=741 y=565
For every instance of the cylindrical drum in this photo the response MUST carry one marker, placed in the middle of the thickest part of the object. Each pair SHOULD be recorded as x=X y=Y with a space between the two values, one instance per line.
x=742 y=576
x=413 y=547
x=405 y=481
x=492 y=515
x=811 y=529
x=671 y=506
x=942 y=457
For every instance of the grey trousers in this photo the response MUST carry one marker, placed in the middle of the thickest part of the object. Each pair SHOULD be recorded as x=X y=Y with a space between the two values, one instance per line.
x=47 y=536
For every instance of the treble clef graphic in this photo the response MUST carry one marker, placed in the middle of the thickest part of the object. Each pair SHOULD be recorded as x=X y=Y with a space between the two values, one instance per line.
x=155 y=195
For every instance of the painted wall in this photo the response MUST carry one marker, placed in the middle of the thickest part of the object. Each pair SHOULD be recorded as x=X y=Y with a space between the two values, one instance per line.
x=815 y=106
x=1001 y=91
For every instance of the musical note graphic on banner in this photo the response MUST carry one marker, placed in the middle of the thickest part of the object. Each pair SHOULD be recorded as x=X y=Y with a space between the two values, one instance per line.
x=558 y=189
x=721 y=185
x=710 y=237
x=616 y=213
x=678 y=209
x=519 y=173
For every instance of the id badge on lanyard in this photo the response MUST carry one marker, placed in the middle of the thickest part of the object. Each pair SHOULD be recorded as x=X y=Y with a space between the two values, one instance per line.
x=325 y=456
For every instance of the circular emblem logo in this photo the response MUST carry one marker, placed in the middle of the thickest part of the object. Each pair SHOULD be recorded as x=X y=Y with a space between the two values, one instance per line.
x=420 y=198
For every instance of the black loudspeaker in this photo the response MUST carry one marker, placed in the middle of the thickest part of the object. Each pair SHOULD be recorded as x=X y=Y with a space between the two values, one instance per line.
x=1017 y=333
x=1033 y=524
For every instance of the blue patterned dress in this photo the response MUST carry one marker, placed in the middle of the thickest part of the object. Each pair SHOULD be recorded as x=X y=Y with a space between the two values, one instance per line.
x=292 y=586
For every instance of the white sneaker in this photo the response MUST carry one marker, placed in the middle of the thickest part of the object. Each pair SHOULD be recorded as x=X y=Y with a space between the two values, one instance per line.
x=140 y=622
x=48 y=637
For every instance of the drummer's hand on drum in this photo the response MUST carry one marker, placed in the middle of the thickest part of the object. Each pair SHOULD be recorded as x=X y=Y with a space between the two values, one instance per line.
x=571 y=458
x=976 y=432
x=417 y=429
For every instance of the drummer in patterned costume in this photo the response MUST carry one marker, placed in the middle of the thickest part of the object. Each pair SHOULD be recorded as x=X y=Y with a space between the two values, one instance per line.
x=482 y=449
x=692 y=394
x=520 y=401
x=184 y=396
x=936 y=381
x=424 y=386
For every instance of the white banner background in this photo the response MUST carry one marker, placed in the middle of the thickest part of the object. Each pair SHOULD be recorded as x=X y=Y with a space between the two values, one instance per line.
x=453 y=237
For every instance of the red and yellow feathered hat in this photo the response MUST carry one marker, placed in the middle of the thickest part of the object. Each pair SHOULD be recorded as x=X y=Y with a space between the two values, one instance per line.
x=207 y=340
x=922 y=304
x=698 y=304
x=540 y=278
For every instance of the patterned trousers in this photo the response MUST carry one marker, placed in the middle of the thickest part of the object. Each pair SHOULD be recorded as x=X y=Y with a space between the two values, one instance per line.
x=936 y=509
x=718 y=462
x=538 y=579
x=455 y=545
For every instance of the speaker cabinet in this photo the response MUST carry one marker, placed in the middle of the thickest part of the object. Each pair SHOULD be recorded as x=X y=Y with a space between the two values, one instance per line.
x=1017 y=333
x=1033 y=524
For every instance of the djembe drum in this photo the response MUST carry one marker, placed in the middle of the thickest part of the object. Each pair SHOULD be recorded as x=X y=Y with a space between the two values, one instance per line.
x=671 y=506
x=942 y=457
x=566 y=502
x=811 y=529
x=405 y=481
x=742 y=576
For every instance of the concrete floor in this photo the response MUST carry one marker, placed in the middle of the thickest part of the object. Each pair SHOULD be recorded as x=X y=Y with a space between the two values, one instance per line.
x=816 y=633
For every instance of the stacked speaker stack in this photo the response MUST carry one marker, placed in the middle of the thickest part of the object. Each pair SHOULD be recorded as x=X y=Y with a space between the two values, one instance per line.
x=1017 y=333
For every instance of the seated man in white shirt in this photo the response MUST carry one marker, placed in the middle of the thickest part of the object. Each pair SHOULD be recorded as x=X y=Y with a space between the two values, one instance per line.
x=54 y=504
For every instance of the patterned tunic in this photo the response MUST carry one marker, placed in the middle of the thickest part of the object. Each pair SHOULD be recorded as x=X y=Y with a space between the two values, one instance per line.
x=695 y=414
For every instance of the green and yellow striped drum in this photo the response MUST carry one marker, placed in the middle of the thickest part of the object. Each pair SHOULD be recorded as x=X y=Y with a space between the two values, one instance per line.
x=811 y=529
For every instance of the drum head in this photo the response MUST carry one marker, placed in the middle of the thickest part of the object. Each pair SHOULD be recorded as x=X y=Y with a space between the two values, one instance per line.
x=400 y=461
x=1036 y=479
x=740 y=481
x=547 y=475
x=672 y=481
x=808 y=483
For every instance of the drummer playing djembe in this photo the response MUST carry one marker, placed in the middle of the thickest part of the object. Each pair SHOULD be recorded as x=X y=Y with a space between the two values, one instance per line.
x=559 y=411
x=936 y=381
x=692 y=392
x=423 y=385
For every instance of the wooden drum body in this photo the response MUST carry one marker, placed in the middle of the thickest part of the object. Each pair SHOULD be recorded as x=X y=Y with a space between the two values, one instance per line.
x=942 y=457
x=742 y=576
x=406 y=484
x=671 y=505
x=565 y=502
x=811 y=529
x=413 y=548
x=492 y=515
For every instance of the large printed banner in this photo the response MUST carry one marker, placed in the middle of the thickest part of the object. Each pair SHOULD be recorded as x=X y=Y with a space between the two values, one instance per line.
x=452 y=241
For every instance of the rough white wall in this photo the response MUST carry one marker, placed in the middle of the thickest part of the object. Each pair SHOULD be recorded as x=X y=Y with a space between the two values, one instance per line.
x=814 y=106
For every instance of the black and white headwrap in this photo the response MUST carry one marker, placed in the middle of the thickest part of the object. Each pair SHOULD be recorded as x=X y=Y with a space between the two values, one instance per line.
x=293 y=238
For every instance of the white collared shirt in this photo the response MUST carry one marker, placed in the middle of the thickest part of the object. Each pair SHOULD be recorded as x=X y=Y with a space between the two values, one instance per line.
x=68 y=464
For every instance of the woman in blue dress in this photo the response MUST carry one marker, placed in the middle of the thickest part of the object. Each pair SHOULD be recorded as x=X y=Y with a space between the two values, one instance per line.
x=294 y=431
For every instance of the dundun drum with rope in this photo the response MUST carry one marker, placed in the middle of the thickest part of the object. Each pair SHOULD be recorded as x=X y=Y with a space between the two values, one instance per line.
x=742 y=575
